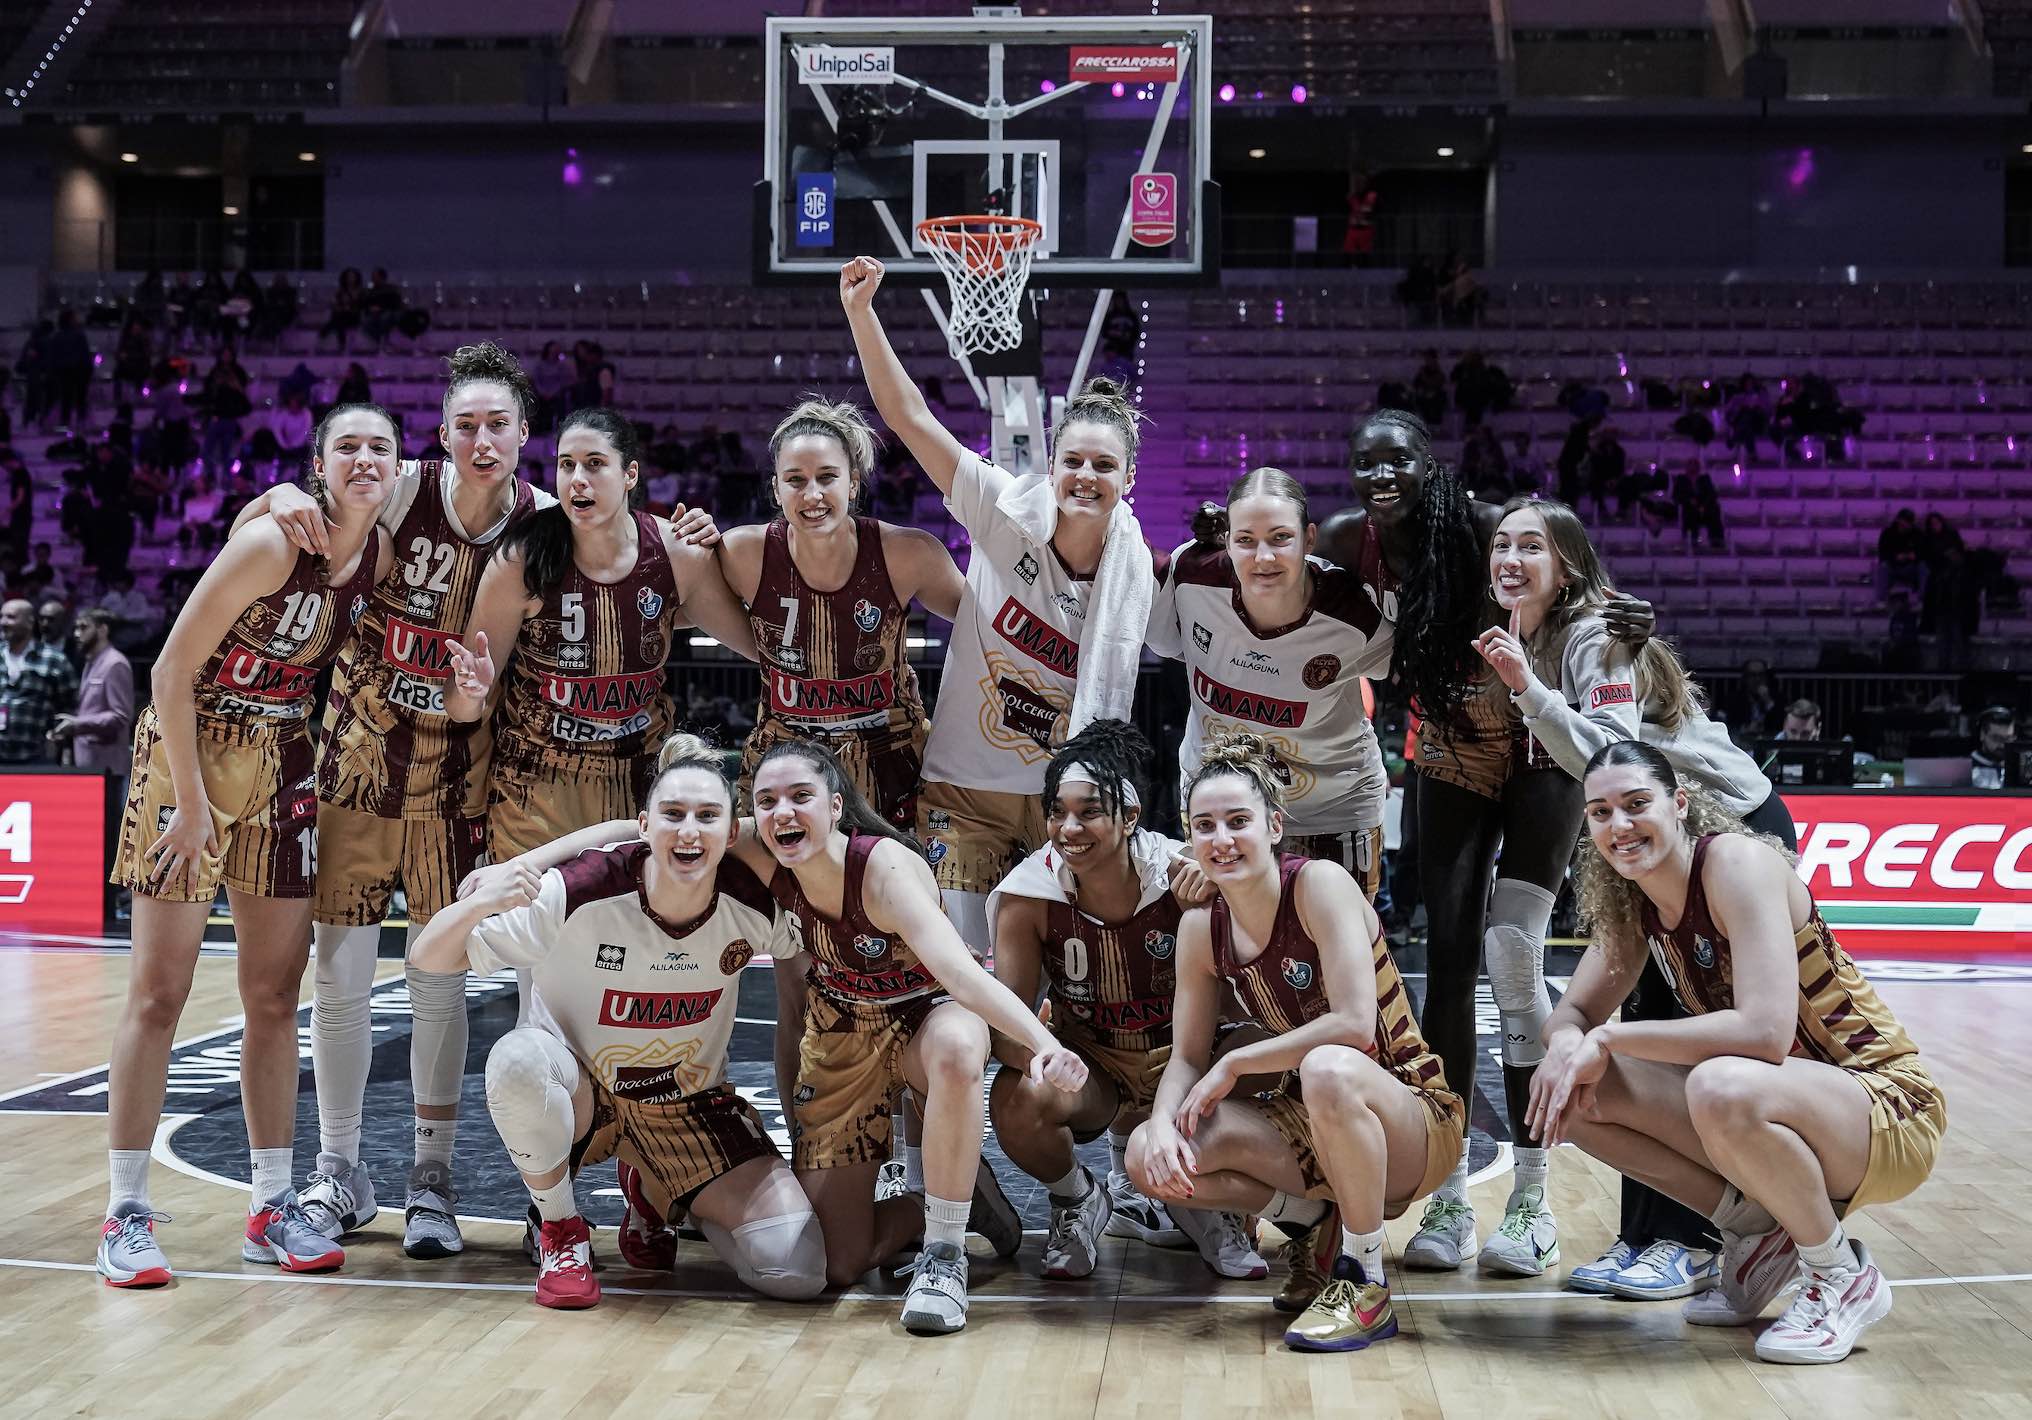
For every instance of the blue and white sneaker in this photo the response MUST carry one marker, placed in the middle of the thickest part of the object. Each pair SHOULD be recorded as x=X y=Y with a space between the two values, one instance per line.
x=1528 y=1241
x=1595 y=1276
x=1665 y=1271
x=279 y=1232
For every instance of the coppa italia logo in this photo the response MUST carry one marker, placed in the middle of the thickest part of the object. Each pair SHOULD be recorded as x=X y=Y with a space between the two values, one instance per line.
x=1915 y=874
x=1157 y=64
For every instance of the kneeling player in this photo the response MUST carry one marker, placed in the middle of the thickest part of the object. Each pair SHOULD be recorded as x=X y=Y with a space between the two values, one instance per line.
x=1092 y=919
x=635 y=953
x=1364 y=1117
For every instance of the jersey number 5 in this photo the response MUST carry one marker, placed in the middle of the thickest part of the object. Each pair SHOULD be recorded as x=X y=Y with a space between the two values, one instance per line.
x=573 y=605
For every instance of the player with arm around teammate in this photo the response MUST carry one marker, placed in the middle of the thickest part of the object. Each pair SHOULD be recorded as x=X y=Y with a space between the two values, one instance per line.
x=1091 y=921
x=221 y=793
x=1364 y=1117
x=635 y=952
x=881 y=991
x=1788 y=1098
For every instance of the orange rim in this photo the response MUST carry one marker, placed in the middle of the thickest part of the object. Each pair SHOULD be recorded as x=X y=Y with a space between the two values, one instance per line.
x=980 y=239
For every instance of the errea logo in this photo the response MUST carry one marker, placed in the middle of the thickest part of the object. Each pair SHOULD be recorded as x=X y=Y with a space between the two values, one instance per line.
x=610 y=957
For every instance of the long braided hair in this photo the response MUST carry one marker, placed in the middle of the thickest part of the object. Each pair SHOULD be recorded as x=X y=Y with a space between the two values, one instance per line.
x=1441 y=606
x=1114 y=749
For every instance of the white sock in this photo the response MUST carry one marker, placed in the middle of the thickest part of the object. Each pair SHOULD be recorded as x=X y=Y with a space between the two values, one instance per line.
x=127 y=1171
x=1833 y=1255
x=434 y=1140
x=1529 y=1168
x=1118 y=1153
x=946 y=1221
x=1073 y=1187
x=913 y=1165
x=1456 y=1185
x=555 y=1203
x=1293 y=1216
x=342 y=1033
x=1742 y=1215
x=1367 y=1249
x=272 y=1169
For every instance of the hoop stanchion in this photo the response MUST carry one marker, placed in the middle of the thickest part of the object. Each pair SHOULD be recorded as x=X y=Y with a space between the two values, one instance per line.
x=986 y=261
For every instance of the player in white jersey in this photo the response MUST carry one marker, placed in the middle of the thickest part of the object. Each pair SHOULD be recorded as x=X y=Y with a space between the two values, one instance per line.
x=1276 y=643
x=1051 y=625
x=635 y=953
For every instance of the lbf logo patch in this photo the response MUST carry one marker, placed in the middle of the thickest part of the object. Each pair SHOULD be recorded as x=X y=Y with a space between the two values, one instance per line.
x=648 y=603
x=871 y=946
x=867 y=616
x=814 y=215
x=1298 y=973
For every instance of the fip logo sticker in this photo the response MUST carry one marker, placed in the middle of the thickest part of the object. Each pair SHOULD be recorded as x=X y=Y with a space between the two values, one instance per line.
x=814 y=209
x=1153 y=209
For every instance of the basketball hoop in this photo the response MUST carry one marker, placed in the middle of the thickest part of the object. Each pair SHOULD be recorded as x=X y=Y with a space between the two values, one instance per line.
x=986 y=261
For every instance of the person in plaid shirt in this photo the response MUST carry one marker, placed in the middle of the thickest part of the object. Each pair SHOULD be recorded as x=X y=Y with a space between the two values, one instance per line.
x=36 y=685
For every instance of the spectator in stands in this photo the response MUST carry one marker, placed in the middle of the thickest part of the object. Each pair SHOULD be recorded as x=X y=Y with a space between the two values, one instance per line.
x=1951 y=608
x=1607 y=462
x=1358 y=244
x=241 y=314
x=1484 y=467
x=150 y=304
x=101 y=732
x=355 y=388
x=1753 y=709
x=344 y=316
x=283 y=436
x=1572 y=460
x=1811 y=407
x=1747 y=415
x=53 y=634
x=552 y=377
x=74 y=512
x=180 y=297
x=1996 y=727
x=1527 y=470
x=1429 y=390
x=278 y=308
x=1901 y=553
x=132 y=359
x=380 y=307
x=32 y=681
x=206 y=304
x=1938 y=537
x=32 y=366
x=1479 y=387
x=1707 y=512
x=1802 y=721
x=1461 y=296
x=20 y=505
x=1420 y=287
x=41 y=577
x=226 y=404
x=70 y=369
x=593 y=377
x=136 y=616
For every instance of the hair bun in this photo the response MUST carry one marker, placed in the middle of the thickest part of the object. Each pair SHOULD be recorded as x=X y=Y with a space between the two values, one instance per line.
x=684 y=747
x=1236 y=749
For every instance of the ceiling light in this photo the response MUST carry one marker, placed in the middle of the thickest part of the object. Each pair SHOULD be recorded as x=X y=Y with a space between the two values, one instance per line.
x=1258 y=153
x=306 y=157
x=230 y=211
x=130 y=157
x=1446 y=152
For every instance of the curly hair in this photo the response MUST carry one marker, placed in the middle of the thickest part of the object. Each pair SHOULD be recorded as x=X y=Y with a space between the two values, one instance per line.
x=1114 y=749
x=1441 y=607
x=1609 y=904
x=486 y=361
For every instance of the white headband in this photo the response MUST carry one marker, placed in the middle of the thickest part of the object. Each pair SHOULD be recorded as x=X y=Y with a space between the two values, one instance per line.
x=1079 y=772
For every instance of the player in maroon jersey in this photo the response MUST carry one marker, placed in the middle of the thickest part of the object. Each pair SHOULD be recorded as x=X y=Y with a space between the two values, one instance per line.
x=880 y=991
x=577 y=610
x=221 y=794
x=828 y=594
x=1091 y=921
x=1363 y=1116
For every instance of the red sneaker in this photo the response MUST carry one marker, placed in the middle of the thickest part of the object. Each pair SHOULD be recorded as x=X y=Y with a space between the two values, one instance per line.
x=647 y=1241
x=564 y=1277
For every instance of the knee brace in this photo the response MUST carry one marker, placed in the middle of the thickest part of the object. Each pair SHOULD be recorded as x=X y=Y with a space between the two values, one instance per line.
x=782 y=1257
x=1514 y=945
x=437 y=1036
x=530 y=1079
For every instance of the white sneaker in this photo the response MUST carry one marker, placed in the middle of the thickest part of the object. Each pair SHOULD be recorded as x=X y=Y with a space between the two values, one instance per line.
x=1074 y=1247
x=1223 y=1243
x=1139 y=1216
x=1828 y=1316
x=936 y=1303
x=1528 y=1241
x=891 y=1180
x=1597 y=1275
x=338 y=1197
x=1445 y=1236
x=1755 y=1269
x=1664 y=1271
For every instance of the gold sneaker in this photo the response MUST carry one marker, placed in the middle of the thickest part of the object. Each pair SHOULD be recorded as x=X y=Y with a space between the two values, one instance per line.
x=1305 y=1277
x=1349 y=1313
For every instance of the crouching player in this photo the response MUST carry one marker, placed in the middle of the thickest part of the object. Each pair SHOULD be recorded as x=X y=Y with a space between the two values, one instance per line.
x=635 y=952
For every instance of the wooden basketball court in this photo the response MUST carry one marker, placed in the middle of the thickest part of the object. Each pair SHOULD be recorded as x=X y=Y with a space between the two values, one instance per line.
x=1151 y=1334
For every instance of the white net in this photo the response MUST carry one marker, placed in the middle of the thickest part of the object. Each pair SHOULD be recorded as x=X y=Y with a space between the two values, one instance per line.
x=986 y=261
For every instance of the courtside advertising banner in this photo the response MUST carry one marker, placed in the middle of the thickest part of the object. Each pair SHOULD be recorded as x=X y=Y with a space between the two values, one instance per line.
x=845 y=64
x=52 y=852
x=1136 y=64
x=1900 y=875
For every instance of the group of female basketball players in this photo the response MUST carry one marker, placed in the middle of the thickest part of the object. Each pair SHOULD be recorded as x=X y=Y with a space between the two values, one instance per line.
x=1226 y=1008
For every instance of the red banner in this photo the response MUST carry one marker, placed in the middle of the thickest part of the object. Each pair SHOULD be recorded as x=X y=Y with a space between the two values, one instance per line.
x=52 y=853
x=1914 y=874
x=1134 y=63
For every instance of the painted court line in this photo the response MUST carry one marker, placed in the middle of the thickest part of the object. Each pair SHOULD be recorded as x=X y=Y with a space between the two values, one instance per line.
x=1172 y=1299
